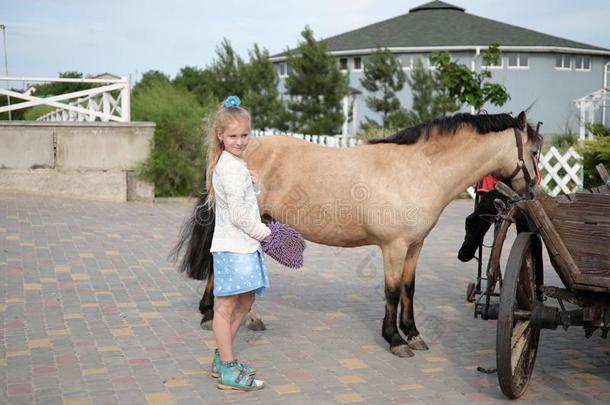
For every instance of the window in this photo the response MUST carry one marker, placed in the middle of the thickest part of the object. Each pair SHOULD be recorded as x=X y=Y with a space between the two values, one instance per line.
x=518 y=60
x=281 y=67
x=343 y=63
x=357 y=63
x=582 y=62
x=563 y=62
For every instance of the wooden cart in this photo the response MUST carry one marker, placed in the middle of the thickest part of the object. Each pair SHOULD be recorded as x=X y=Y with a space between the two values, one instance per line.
x=575 y=229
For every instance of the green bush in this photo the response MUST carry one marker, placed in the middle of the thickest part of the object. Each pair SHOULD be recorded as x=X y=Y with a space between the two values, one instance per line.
x=177 y=160
x=594 y=152
x=368 y=131
x=598 y=130
x=16 y=114
x=32 y=114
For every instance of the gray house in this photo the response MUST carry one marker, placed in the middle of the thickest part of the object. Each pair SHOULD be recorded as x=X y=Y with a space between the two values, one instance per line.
x=536 y=68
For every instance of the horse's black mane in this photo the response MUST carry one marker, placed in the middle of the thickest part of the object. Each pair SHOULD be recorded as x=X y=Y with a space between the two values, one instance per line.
x=482 y=123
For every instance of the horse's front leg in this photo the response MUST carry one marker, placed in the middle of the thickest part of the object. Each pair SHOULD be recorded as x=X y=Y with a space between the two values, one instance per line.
x=393 y=261
x=407 y=318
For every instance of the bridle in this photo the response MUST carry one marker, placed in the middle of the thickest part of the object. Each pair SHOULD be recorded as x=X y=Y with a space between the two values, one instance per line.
x=521 y=166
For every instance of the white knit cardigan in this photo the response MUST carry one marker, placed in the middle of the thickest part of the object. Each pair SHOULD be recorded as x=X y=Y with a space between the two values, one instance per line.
x=238 y=226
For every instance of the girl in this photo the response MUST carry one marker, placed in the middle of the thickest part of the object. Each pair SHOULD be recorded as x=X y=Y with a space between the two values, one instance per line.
x=239 y=267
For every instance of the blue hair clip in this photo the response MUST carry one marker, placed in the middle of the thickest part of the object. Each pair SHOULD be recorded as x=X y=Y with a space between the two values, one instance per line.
x=232 y=102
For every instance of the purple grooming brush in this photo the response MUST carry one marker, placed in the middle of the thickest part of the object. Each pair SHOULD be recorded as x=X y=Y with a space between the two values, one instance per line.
x=285 y=245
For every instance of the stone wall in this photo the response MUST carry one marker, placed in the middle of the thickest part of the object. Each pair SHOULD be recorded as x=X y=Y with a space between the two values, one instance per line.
x=93 y=160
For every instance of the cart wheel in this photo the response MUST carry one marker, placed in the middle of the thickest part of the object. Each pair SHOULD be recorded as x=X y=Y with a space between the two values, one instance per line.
x=470 y=292
x=516 y=339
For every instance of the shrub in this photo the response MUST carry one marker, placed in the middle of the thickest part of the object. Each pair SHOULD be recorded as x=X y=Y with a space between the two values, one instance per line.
x=368 y=131
x=32 y=114
x=176 y=162
x=594 y=152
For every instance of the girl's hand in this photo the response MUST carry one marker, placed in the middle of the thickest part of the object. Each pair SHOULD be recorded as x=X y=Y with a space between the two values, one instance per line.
x=254 y=177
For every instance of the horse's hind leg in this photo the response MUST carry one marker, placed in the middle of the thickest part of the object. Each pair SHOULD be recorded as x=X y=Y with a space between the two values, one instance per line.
x=206 y=305
x=393 y=260
x=407 y=318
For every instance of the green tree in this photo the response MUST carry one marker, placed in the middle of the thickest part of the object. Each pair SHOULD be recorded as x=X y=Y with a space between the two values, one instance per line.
x=316 y=86
x=57 y=88
x=261 y=95
x=227 y=72
x=190 y=78
x=431 y=98
x=467 y=86
x=384 y=77
x=150 y=78
x=15 y=114
x=176 y=162
x=196 y=81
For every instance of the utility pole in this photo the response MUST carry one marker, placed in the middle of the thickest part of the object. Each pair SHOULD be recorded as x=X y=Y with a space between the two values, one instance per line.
x=3 y=28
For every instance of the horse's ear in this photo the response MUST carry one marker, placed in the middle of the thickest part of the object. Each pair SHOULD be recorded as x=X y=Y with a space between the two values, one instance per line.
x=522 y=120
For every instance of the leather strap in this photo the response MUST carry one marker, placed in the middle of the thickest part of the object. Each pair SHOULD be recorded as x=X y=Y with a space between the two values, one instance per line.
x=521 y=166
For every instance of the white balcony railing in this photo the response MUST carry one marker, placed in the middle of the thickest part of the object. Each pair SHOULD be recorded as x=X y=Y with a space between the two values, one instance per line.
x=108 y=102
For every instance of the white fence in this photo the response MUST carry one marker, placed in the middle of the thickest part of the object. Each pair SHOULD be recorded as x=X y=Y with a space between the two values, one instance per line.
x=337 y=141
x=109 y=102
x=561 y=172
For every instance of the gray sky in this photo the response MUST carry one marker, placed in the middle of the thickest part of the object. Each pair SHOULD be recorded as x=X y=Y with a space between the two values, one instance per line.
x=45 y=37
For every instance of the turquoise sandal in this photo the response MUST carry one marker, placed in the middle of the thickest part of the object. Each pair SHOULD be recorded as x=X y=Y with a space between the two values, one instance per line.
x=233 y=377
x=216 y=366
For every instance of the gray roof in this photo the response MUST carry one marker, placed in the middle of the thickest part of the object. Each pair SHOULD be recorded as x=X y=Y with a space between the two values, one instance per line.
x=439 y=24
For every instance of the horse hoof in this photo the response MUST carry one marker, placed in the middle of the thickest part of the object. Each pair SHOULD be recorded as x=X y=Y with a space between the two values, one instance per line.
x=206 y=324
x=401 y=351
x=255 y=324
x=417 y=343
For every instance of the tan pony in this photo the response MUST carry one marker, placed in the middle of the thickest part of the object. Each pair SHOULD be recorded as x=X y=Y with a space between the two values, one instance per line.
x=389 y=192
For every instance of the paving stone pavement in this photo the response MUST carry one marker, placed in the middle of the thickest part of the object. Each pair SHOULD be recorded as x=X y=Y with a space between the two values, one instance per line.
x=92 y=313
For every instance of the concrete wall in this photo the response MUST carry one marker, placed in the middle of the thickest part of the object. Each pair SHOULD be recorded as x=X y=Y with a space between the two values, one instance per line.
x=25 y=147
x=77 y=159
x=103 y=147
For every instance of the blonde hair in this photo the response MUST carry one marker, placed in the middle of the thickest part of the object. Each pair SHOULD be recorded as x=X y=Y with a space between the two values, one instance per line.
x=222 y=118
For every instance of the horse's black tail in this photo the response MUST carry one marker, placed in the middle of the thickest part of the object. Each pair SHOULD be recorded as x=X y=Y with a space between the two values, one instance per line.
x=195 y=240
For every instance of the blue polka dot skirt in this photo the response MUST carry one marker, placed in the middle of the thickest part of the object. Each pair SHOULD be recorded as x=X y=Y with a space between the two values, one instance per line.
x=236 y=273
